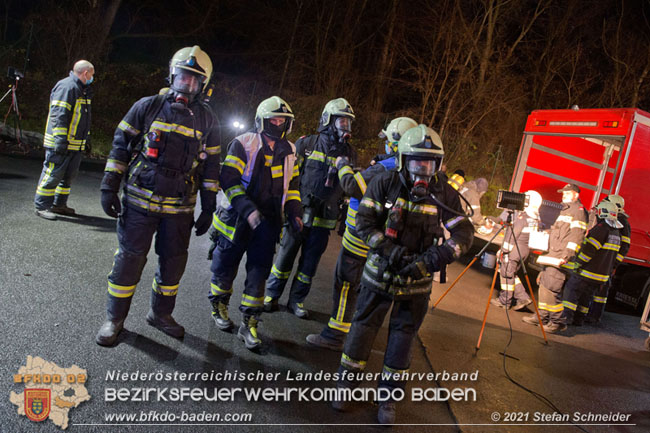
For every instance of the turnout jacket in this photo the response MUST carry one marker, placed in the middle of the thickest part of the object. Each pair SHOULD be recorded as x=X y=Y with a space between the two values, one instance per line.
x=565 y=235
x=316 y=155
x=418 y=228
x=354 y=185
x=254 y=177
x=68 y=119
x=471 y=194
x=626 y=231
x=515 y=240
x=598 y=252
x=162 y=165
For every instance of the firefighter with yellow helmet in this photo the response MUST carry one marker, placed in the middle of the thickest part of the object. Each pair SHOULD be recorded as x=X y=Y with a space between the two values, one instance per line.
x=320 y=192
x=354 y=250
x=400 y=218
x=165 y=153
x=260 y=183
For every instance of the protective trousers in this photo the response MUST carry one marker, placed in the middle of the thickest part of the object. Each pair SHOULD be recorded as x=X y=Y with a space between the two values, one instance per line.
x=598 y=302
x=54 y=184
x=259 y=246
x=511 y=286
x=135 y=230
x=550 y=294
x=577 y=293
x=313 y=241
x=405 y=320
x=347 y=275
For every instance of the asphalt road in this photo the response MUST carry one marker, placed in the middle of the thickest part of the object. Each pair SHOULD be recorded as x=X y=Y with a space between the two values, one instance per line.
x=53 y=288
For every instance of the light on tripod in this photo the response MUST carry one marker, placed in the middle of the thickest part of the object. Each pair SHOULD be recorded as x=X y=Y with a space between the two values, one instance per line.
x=511 y=200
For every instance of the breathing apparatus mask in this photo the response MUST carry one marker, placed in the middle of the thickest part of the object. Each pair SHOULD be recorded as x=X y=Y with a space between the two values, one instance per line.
x=343 y=127
x=420 y=172
x=186 y=85
x=277 y=127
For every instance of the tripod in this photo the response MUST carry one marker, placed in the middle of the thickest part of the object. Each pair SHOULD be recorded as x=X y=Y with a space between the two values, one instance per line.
x=13 y=107
x=508 y=224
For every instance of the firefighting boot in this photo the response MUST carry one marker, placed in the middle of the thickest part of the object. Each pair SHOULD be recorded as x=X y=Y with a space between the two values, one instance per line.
x=220 y=316
x=160 y=315
x=248 y=332
x=60 y=205
x=270 y=304
x=116 y=311
x=386 y=412
x=298 y=309
x=340 y=403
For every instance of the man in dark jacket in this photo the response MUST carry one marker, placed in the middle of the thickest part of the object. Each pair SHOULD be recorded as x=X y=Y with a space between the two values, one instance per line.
x=67 y=133
x=260 y=183
x=593 y=265
x=166 y=151
x=354 y=251
x=320 y=193
x=565 y=235
x=400 y=218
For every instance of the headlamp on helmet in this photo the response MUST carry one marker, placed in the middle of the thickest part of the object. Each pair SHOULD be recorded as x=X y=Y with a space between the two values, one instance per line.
x=274 y=108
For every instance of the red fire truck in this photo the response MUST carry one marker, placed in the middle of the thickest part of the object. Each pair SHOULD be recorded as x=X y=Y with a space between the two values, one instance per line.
x=603 y=151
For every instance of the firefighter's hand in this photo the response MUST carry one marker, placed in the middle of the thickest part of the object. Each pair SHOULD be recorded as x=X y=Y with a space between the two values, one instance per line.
x=61 y=148
x=111 y=203
x=416 y=269
x=254 y=219
x=341 y=162
x=296 y=224
x=392 y=252
x=202 y=224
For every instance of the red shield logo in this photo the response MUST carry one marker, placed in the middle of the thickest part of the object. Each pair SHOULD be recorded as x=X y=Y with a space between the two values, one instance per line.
x=37 y=404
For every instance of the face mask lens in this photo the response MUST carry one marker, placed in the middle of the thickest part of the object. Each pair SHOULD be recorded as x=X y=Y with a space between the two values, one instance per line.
x=186 y=82
x=421 y=167
x=343 y=124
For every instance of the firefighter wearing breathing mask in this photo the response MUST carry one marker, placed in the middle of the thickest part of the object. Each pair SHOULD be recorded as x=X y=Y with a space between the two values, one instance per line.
x=593 y=265
x=320 y=192
x=165 y=152
x=260 y=183
x=354 y=251
x=400 y=218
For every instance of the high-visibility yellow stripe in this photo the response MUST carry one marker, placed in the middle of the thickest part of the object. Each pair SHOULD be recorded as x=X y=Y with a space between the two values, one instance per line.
x=600 y=299
x=346 y=361
x=121 y=291
x=570 y=305
x=175 y=127
x=164 y=290
x=280 y=274
x=339 y=326
x=594 y=242
x=250 y=301
x=236 y=163
x=361 y=182
x=217 y=291
x=343 y=299
x=57 y=103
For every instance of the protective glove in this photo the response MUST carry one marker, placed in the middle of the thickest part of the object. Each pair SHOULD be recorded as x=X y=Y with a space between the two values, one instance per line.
x=416 y=269
x=341 y=162
x=296 y=224
x=392 y=252
x=60 y=148
x=254 y=219
x=202 y=224
x=437 y=257
x=111 y=203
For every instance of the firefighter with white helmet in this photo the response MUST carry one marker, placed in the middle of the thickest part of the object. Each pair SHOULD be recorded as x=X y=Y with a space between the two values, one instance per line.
x=565 y=235
x=320 y=192
x=594 y=263
x=514 y=252
x=599 y=300
x=166 y=151
x=354 y=250
x=400 y=218
x=260 y=183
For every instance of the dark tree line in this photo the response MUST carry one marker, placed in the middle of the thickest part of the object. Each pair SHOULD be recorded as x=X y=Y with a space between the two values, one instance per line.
x=472 y=69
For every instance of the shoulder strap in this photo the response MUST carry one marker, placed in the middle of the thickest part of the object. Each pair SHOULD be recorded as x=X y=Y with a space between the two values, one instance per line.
x=149 y=116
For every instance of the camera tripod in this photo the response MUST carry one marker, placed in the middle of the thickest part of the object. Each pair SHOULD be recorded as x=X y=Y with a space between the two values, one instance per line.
x=13 y=107
x=507 y=224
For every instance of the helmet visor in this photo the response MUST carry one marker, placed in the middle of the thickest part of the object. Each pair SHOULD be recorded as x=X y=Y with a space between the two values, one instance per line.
x=186 y=81
x=421 y=167
x=343 y=124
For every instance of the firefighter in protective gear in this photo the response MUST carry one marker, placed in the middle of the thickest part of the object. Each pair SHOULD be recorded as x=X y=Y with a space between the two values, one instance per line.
x=400 y=219
x=593 y=264
x=260 y=181
x=166 y=151
x=565 y=235
x=600 y=297
x=473 y=191
x=514 y=252
x=67 y=134
x=320 y=193
x=354 y=250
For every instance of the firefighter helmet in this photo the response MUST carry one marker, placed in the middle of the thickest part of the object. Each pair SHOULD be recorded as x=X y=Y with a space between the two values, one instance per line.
x=192 y=60
x=607 y=210
x=274 y=107
x=421 y=142
x=534 y=201
x=395 y=129
x=618 y=201
x=336 y=108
